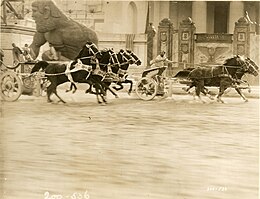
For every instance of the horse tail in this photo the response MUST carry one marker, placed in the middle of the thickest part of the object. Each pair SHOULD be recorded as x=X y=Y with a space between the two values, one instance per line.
x=39 y=65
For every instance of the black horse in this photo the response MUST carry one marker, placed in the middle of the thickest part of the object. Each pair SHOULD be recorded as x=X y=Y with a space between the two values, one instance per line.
x=125 y=58
x=224 y=76
x=87 y=56
x=118 y=73
x=76 y=71
x=99 y=63
x=104 y=65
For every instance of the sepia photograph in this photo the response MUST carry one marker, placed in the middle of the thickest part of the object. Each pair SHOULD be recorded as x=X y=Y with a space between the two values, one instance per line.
x=121 y=99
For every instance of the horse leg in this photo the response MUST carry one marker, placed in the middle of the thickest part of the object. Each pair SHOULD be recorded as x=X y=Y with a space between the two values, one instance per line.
x=119 y=84
x=126 y=82
x=55 y=92
x=100 y=92
x=206 y=92
x=199 y=87
x=75 y=87
x=188 y=89
x=68 y=90
x=50 y=90
x=241 y=94
x=131 y=85
x=72 y=85
x=106 y=86
x=89 y=90
x=221 y=92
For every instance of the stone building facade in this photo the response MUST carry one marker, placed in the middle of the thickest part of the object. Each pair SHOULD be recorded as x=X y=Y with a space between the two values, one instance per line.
x=191 y=32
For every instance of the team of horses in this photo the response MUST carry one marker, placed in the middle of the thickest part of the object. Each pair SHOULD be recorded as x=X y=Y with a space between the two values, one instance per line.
x=98 y=68
x=222 y=76
x=101 y=68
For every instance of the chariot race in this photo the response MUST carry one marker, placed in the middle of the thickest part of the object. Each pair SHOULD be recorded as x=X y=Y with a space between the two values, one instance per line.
x=118 y=99
x=107 y=71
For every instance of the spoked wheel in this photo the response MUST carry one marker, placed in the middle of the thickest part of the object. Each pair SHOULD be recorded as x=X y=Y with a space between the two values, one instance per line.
x=146 y=88
x=10 y=86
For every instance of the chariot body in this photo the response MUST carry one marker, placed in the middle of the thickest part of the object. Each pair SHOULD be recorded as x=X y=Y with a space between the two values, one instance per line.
x=152 y=83
x=17 y=80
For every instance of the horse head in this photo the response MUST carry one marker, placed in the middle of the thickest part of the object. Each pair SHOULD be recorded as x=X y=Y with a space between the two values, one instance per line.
x=125 y=58
x=137 y=61
x=88 y=52
x=247 y=65
x=251 y=67
x=108 y=57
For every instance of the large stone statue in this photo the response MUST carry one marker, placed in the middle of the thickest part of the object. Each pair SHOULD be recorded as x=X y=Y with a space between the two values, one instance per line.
x=64 y=34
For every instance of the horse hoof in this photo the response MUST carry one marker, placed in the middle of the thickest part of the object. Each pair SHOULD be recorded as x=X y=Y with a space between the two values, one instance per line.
x=67 y=91
x=116 y=96
x=129 y=93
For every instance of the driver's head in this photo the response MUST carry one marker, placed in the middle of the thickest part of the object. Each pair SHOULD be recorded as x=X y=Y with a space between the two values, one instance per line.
x=162 y=53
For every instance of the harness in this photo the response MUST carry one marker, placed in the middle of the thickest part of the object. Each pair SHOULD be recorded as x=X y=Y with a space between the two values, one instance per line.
x=78 y=66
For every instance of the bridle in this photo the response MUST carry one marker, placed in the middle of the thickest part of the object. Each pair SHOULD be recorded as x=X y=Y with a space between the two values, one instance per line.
x=91 y=51
x=135 y=58
x=251 y=65
x=124 y=58
x=113 y=58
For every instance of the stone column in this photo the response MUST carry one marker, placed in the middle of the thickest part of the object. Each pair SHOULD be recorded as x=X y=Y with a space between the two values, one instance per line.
x=241 y=44
x=199 y=16
x=236 y=10
x=186 y=42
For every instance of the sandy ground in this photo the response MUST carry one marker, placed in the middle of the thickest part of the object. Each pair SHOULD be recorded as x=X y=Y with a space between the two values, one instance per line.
x=129 y=149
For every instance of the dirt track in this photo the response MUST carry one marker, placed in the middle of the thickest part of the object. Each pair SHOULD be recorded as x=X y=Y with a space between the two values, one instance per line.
x=172 y=148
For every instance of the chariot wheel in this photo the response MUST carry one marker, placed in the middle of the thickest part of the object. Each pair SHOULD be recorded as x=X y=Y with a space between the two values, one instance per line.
x=10 y=86
x=146 y=88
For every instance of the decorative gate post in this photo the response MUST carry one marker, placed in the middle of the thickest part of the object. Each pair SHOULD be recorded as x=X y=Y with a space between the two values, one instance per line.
x=242 y=37
x=186 y=42
x=165 y=33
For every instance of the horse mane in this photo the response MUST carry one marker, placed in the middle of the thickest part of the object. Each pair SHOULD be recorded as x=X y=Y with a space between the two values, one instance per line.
x=234 y=58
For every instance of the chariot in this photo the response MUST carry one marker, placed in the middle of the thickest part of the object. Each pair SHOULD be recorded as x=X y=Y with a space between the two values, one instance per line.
x=17 y=80
x=153 y=83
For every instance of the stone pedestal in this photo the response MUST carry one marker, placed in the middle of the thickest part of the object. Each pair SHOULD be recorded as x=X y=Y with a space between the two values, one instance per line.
x=164 y=42
x=241 y=37
x=186 y=42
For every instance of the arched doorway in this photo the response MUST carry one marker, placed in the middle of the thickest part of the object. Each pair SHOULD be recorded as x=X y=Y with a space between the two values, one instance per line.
x=132 y=18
